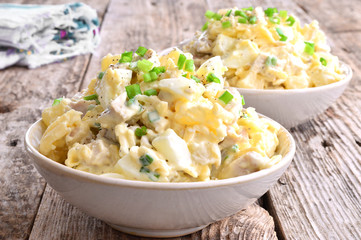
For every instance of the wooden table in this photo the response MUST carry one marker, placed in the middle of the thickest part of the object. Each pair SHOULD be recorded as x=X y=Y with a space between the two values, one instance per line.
x=319 y=197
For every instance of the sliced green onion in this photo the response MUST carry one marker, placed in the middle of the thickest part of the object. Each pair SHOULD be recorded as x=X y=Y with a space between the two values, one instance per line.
x=291 y=20
x=133 y=90
x=57 y=101
x=144 y=65
x=270 y=11
x=181 y=61
x=126 y=57
x=140 y=131
x=323 y=61
x=146 y=77
x=309 y=48
x=226 y=97
x=217 y=17
x=158 y=70
x=283 y=13
x=196 y=79
x=100 y=75
x=146 y=159
x=154 y=176
x=153 y=76
x=252 y=20
x=209 y=14
x=243 y=102
x=275 y=20
x=226 y=24
x=271 y=61
x=213 y=78
x=153 y=116
x=205 y=26
x=189 y=65
x=92 y=97
x=185 y=75
x=240 y=13
x=280 y=33
x=228 y=13
x=150 y=92
x=248 y=9
x=235 y=148
x=242 y=20
x=141 y=51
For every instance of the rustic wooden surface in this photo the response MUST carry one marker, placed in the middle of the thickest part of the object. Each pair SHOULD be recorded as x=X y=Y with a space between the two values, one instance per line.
x=317 y=198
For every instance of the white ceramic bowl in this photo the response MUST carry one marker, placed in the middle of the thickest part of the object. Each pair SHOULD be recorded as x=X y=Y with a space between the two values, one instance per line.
x=291 y=107
x=156 y=209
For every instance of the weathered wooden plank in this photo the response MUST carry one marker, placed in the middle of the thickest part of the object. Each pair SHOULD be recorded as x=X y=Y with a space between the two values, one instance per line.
x=63 y=221
x=57 y=219
x=23 y=93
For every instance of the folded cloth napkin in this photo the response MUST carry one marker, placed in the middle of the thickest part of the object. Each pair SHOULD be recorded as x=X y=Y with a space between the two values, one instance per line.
x=34 y=35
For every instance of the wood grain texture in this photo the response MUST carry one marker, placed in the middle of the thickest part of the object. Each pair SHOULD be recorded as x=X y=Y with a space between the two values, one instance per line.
x=23 y=94
x=59 y=220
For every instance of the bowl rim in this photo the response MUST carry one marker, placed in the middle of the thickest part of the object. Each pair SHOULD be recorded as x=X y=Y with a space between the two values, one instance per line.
x=344 y=81
x=77 y=174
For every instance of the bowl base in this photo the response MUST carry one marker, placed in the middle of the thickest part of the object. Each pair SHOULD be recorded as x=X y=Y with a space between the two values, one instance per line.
x=155 y=233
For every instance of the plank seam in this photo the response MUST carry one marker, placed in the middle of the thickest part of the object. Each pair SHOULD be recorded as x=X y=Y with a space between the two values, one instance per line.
x=37 y=211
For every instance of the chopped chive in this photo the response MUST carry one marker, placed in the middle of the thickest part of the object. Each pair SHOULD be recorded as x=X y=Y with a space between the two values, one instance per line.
x=248 y=9
x=283 y=13
x=205 y=26
x=275 y=20
x=252 y=20
x=133 y=90
x=100 y=75
x=153 y=116
x=226 y=24
x=158 y=70
x=270 y=11
x=213 y=78
x=146 y=77
x=150 y=92
x=153 y=76
x=181 y=61
x=154 y=176
x=196 y=79
x=126 y=57
x=228 y=13
x=271 y=61
x=323 y=61
x=217 y=17
x=57 y=101
x=243 y=102
x=240 y=13
x=309 y=48
x=226 y=97
x=242 y=20
x=290 y=20
x=144 y=65
x=140 y=131
x=92 y=97
x=280 y=33
x=209 y=14
x=189 y=65
x=146 y=159
x=141 y=51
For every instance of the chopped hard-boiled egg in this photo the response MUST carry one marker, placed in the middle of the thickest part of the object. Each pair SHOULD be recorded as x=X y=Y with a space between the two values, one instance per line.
x=151 y=118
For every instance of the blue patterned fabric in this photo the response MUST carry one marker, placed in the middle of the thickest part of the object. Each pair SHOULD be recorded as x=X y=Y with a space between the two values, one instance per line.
x=34 y=35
